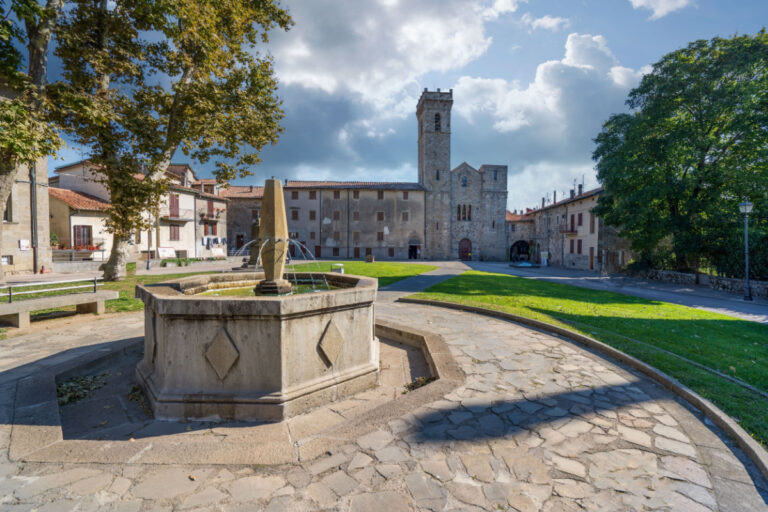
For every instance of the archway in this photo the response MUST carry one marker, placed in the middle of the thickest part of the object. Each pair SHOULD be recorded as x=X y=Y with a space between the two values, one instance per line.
x=519 y=251
x=465 y=249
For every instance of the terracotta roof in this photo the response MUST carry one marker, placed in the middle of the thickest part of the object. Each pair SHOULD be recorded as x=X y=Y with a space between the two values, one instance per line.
x=516 y=217
x=368 y=185
x=583 y=195
x=205 y=181
x=243 y=192
x=78 y=200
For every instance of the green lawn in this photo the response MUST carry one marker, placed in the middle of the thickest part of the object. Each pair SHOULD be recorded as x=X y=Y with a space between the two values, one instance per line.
x=387 y=272
x=735 y=347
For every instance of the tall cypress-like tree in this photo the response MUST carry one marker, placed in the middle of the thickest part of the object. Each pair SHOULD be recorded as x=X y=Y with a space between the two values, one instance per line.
x=162 y=76
x=695 y=145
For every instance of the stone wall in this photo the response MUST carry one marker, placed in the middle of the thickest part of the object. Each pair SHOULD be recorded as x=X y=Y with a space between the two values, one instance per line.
x=17 y=230
x=726 y=284
x=240 y=218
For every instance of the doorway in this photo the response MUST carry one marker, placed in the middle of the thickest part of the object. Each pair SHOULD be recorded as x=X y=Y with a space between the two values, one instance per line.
x=465 y=249
x=591 y=258
x=318 y=251
x=414 y=251
x=357 y=252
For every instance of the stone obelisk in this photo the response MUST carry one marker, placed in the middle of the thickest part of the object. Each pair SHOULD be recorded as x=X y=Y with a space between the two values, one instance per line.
x=273 y=234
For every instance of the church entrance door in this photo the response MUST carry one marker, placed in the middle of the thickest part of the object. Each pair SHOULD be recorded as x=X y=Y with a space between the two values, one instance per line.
x=465 y=249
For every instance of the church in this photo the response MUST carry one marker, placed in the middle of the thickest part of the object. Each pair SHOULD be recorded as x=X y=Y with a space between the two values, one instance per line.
x=450 y=213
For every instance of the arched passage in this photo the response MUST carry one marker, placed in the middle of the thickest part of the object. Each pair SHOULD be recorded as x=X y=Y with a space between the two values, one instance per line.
x=519 y=251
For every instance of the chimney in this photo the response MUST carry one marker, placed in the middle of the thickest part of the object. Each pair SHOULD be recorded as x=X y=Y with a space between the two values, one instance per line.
x=438 y=89
x=542 y=202
x=554 y=196
x=573 y=193
x=581 y=188
x=251 y=188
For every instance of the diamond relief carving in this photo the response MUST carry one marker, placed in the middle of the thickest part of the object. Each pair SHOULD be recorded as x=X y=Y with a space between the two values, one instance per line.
x=222 y=354
x=331 y=343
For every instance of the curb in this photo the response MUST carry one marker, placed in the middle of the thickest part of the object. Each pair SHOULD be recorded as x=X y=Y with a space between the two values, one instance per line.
x=752 y=448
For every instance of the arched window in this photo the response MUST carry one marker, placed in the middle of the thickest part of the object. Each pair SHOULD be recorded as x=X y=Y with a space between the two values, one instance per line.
x=464 y=212
x=437 y=122
x=463 y=181
x=458 y=212
x=469 y=213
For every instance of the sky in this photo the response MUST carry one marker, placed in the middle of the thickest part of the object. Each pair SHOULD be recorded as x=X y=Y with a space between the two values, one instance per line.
x=532 y=82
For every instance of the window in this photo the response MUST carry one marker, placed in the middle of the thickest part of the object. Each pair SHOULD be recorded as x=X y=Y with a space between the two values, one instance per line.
x=311 y=235
x=337 y=194
x=512 y=228
x=210 y=208
x=336 y=215
x=578 y=246
x=368 y=251
x=209 y=228
x=380 y=216
x=173 y=206
x=437 y=175
x=405 y=195
x=380 y=236
x=313 y=194
x=437 y=225
x=493 y=225
x=294 y=214
x=495 y=175
x=580 y=219
x=391 y=252
x=573 y=225
x=82 y=236
x=356 y=236
x=463 y=181
x=336 y=236
x=591 y=222
x=175 y=235
x=255 y=214
x=312 y=214
x=355 y=215
x=458 y=212
x=464 y=212
x=355 y=194
x=405 y=216
x=380 y=195
x=437 y=122
x=571 y=246
x=294 y=194
x=8 y=213
x=469 y=212
x=335 y=251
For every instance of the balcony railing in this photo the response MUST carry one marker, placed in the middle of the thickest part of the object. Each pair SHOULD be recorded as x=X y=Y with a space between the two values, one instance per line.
x=177 y=214
x=568 y=231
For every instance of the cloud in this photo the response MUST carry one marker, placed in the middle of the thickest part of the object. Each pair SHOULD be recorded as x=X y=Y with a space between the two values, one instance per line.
x=547 y=22
x=660 y=8
x=550 y=122
x=376 y=52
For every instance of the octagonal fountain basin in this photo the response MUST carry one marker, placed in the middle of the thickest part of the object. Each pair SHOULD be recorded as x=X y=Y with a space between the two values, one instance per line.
x=255 y=358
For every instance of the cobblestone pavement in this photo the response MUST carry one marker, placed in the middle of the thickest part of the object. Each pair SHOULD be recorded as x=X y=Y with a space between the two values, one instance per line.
x=540 y=424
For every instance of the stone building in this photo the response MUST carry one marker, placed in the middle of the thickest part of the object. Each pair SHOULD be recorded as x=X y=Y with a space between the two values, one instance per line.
x=79 y=222
x=447 y=214
x=244 y=209
x=26 y=222
x=568 y=234
x=520 y=228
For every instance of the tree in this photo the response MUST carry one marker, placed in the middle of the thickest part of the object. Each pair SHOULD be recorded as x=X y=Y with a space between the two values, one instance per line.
x=164 y=76
x=26 y=134
x=696 y=143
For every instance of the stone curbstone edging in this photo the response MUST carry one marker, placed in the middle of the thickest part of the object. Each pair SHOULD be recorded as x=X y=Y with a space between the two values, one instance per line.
x=752 y=448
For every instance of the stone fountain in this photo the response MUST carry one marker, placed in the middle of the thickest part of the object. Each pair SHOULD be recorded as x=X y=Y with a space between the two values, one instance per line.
x=263 y=357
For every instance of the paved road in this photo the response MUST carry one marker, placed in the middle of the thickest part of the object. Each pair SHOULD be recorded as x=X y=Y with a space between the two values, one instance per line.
x=693 y=296
x=539 y=424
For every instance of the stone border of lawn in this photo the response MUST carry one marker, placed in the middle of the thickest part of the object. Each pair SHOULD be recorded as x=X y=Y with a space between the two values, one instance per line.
x=756 y=453
x=36 y=432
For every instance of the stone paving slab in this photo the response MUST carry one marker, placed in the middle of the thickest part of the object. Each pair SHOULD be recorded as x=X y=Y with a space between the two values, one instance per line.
x=539 y=424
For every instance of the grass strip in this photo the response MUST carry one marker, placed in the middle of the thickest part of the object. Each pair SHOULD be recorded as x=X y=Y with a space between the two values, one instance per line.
x=386 y=272
x=652 y=331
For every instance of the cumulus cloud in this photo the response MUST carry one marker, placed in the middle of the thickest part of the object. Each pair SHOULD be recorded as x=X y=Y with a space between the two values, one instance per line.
x=553 y=118
x=545 y=22
x=660 y=8
x=375 y=52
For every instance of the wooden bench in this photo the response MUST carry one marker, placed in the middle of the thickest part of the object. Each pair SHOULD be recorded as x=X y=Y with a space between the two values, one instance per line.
x=17 y=313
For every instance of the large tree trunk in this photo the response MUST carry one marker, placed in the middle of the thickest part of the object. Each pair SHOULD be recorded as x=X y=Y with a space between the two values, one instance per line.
x=7 y=176
x=114 y=268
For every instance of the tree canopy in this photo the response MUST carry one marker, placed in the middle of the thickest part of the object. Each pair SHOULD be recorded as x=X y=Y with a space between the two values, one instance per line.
x=694 y=146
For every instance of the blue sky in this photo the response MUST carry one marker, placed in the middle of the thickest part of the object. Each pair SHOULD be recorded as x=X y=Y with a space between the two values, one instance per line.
x=533 y=81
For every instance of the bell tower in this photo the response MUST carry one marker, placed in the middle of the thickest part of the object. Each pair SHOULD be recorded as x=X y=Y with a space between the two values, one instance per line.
x=433 y=113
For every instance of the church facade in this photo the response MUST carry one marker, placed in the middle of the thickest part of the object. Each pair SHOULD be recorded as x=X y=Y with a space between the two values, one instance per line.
x=449 y=213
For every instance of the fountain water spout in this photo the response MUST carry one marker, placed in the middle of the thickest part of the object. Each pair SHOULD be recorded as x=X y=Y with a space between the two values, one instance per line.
x=273 y=231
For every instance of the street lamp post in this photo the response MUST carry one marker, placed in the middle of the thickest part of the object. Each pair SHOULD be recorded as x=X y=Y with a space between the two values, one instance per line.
x=149 y=249
x=746 y=209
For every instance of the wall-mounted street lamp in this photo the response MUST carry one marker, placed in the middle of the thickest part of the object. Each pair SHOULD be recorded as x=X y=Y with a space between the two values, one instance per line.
x=746 y=209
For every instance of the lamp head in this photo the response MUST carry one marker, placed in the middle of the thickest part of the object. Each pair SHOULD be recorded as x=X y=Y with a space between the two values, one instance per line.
x=745 y=207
